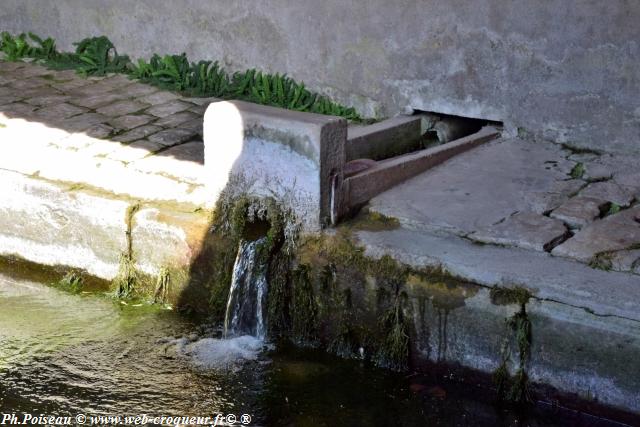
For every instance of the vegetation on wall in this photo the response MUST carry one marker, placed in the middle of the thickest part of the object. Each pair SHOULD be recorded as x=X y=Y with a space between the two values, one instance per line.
x=97 y=56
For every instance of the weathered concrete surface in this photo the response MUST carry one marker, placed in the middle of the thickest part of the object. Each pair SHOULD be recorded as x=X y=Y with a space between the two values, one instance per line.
x=480 y=188
x=566 y=70
x=293 y=156
x=553 y=278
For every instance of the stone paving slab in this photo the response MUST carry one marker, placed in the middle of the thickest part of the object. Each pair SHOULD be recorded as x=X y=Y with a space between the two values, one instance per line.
x=59 y=126
x=479 y=188
x=517 y=193
x=526 y=230
x=579 y=211
x=613 y=233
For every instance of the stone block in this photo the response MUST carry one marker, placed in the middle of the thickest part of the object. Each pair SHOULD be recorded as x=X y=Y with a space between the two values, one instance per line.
x=609 y=191
x=579 y=211
x=50 y=225
x=294 y=156
x=613 y=233
x=138 y=133
x=165 y=238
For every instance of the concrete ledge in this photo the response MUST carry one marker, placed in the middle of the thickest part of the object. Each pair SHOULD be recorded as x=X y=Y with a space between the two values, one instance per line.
x=361 y=188
x=392 y=137
x=291 y=155
x=585 y=322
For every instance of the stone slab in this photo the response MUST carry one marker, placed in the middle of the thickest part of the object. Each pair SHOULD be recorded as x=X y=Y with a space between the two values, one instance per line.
x=550 y=278
x=609 y=191
x=121 y=108
x=292 y=155
x=168 y=109
x=579 y=211
x=50 y=225
x=167 y=238
x=613 y=233
x=526 y=230
x=476 y=189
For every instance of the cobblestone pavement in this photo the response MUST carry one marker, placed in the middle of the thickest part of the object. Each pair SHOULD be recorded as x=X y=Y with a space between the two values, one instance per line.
x=108 y=132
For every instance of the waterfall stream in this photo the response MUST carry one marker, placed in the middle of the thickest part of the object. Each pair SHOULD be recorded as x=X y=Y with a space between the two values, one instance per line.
x=248 y=292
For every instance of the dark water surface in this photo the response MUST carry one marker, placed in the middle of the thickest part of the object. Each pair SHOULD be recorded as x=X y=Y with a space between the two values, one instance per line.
x=63 y=354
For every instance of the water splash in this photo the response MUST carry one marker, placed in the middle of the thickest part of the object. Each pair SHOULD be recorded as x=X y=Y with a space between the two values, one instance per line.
x=247 y=296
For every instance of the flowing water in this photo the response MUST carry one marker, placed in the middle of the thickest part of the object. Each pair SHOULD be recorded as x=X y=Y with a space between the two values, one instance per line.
x=65 y=355
x=248 y=292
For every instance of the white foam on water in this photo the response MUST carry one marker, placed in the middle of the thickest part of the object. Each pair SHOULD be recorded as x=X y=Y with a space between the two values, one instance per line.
x=213 y=353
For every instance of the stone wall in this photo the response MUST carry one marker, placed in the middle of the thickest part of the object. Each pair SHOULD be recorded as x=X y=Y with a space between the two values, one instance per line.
x=564 y=70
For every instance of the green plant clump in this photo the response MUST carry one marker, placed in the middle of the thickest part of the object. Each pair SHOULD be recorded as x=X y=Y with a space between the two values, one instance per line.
x=71 y=282
x=97 y=56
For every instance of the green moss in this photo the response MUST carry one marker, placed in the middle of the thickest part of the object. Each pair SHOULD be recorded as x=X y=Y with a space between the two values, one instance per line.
x=393 y=352
x=372 y=221
x=504 y=296
x=577 y=171
x=304 y=309
x=602 y=261
x=71 y=282
x=519 y=331
x=279 y=296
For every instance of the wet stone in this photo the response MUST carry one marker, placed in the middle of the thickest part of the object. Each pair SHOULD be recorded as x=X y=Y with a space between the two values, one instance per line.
x=579 y=211
x=122 y=108
x=171 y=137
x=614 y=233
x=138 y=133
x=610 y=192
x=131 y=121
x=525 y=230
x=168 y=109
